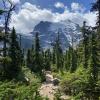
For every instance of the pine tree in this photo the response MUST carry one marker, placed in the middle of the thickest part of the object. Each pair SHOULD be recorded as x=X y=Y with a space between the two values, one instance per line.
x=47 y=58
x=53 y=56
x=73 y=61
x=38 y=58
x=80 y=54
x=96 y=7
x=96 y=40
x=15 y=55
x=93 y=69
x=29 y=59
x=86 y=49
x=22 y=57
x=73 y=66
x=59 y=54
x=68 y=59
x=94 y=58
x=95 y=55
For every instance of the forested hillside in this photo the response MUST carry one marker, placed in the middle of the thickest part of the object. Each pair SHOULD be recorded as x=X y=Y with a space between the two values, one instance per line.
x=54 y=72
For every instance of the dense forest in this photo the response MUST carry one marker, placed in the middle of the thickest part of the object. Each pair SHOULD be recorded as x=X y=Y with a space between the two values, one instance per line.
x=76 y=70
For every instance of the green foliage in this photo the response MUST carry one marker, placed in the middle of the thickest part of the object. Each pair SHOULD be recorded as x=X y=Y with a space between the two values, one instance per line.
x=37 y=56
x=71 y=60
x=46 y=98
x=47 y=59
x=78 y=68
x=6 y=60
x=71 y=82
x=58 y=54
x=86 y=44
x=95 y=45
x=78 y=84
x=19 y=91
x=68 y=59
x=57 y=95
x=29 y=59
x=53 y=56
x=12 y=70
x=73 y=66
x=53 y=68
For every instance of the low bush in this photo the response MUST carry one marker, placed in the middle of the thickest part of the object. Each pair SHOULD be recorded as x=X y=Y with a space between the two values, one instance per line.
x=78 y=84
x=19 y=91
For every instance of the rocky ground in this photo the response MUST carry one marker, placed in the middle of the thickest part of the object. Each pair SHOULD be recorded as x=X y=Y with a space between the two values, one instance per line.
x=48 y=89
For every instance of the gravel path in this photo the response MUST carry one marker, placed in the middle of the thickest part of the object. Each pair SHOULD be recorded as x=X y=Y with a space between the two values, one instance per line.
x=48 y=89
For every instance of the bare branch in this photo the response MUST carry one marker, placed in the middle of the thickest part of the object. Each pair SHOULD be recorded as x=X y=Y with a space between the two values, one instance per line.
x=7 y=16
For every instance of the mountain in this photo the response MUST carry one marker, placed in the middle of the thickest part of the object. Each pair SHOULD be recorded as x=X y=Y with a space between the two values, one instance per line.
x=48 y=33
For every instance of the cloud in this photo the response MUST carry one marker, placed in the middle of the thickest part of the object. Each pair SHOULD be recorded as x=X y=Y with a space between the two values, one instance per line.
x=15 y=1
x=59 y=5
x=30 y=15
x=77 y=7
x=91 y=18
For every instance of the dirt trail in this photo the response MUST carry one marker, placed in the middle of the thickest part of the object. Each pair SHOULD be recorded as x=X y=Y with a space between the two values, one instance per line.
x=48 y=89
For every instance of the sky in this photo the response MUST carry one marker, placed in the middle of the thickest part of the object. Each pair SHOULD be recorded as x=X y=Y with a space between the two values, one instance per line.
x=30 y=12
x=50 y=3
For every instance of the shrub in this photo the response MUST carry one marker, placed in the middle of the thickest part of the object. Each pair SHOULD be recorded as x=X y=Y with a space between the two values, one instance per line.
x=74 y=83
x=19 y=91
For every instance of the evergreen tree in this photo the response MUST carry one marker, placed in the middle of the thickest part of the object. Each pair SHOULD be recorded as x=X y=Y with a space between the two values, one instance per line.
x=73 y=66
x=73 y=62
x=94 y=58
x=53 y=56
x=23 y=57
x=80 y=54
x=47 y=58
x=38 y=58
x=29 y=59
x=96 y=40
x=86 y=48
x=93 y=69
x=59 y=54
x=68 y=59
x=15 y=55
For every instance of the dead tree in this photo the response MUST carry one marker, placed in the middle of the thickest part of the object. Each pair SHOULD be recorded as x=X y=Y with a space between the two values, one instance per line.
x=7 y=17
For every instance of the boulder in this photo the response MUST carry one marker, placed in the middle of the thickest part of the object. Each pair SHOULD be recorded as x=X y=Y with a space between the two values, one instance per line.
x=56 y=81
x=49 y=78
x=48 y=72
